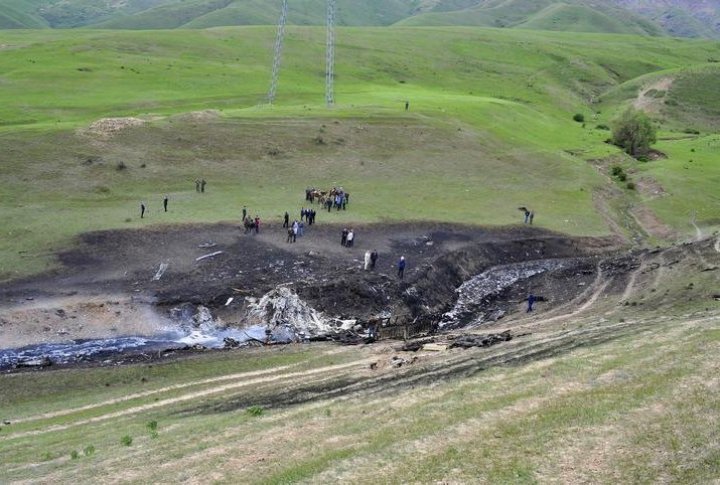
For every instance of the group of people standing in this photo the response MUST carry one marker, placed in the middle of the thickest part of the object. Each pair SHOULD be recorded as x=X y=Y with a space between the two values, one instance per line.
x=307 y=214
x=371 y=258
x=347 y=238
x=297 y=228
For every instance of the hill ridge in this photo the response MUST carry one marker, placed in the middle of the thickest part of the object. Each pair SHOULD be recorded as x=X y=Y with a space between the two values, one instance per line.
x=682 y=18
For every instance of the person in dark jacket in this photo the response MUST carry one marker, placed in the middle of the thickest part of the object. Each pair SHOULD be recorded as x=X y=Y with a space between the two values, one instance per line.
x=401 y=267
x=531 y=301
x=373 y=258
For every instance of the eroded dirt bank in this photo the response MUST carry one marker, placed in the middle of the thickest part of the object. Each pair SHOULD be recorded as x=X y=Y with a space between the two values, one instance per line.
x=118 y=283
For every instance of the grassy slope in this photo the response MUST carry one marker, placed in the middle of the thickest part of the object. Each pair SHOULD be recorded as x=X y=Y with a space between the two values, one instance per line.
x=642 y=407
x=544 y=15
x=511 y=95
x=578 y=18
x=213 y=13
x=21 y=14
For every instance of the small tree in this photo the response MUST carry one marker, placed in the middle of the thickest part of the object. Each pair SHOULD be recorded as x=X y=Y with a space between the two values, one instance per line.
x=634 y=133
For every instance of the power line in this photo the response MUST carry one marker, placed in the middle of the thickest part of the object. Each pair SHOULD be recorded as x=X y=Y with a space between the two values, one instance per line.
x=278 y=52
x=330 y=54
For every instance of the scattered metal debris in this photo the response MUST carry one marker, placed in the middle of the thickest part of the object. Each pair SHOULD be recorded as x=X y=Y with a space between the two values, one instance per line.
x=160 y=271
x=211 y=255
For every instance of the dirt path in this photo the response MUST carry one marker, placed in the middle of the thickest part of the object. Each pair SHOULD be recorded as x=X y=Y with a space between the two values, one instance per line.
x=698 y=231
x=588 y=297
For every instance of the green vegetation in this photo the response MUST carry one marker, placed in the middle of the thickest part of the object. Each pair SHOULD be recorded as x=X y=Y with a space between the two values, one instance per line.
x=631 y=17
x=499 y=101
x=634 y=132
x=126 y=440
x=255 y=411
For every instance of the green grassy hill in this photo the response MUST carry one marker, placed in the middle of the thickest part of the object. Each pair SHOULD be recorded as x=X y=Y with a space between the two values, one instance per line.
x=500 y=102
x=580 y=18
x=21 y=14
x=576 y=16
x=677 y=17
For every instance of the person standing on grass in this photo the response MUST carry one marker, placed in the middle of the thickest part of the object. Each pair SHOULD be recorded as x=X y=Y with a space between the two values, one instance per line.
x=286 y=220
x=531 y=217
x=373 y=258
x=401 y=267
x=407 y=105
x=244 y=213
x=197 y=185
x=165 y=203
x=257 y=224
x=202 y=185
x=142 y=210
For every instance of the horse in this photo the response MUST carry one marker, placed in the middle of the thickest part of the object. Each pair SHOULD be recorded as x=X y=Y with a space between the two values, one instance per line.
x=318 y=194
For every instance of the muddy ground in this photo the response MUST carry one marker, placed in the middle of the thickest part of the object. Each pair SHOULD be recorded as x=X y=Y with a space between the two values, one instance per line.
x=109 y=284
x=106 y=285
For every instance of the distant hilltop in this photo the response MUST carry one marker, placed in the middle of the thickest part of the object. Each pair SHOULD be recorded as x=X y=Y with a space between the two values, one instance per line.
x=681 y=18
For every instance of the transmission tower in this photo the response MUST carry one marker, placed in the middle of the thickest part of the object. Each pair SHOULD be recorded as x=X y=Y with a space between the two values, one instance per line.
x=330 y=54
x=278 y=51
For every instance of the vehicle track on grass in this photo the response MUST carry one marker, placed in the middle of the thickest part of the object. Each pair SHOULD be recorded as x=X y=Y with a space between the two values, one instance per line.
x=435 y=369
x=185 y=397
x=587 y=297
x=630 y=286
x=130 y=397
x=350 y=379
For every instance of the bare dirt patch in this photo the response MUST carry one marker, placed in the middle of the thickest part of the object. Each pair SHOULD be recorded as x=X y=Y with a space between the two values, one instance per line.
x=652 y=224
x=106 y=128
x=651 y=97
x=650 y=188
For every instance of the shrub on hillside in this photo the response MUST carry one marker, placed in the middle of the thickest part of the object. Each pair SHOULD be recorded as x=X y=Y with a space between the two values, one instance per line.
x=126 y=440
x=255 y=411
x=691 y=131
x=602 y=127
x=634 y=133
x=579 y=117
x=631 y=185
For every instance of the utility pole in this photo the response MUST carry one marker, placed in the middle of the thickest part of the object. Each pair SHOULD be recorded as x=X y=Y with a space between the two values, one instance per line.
x=278 y=52
x=330 y=54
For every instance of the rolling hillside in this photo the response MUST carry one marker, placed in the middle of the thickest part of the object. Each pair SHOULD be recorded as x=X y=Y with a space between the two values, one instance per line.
x=682 y=18
x=500 y=100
